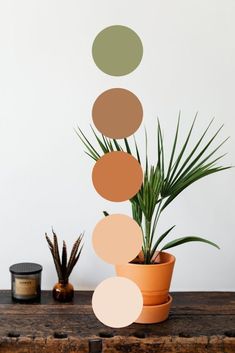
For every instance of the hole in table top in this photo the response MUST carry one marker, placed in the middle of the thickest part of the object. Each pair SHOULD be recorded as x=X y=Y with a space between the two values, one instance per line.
x=60 y=335
x=105 y=334
x=139 y=334
x=13 y=334
x=184 y=334
x=230 y=333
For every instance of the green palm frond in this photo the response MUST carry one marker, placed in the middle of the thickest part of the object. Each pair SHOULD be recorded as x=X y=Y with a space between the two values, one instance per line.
x=184 y=240
x=160 y=239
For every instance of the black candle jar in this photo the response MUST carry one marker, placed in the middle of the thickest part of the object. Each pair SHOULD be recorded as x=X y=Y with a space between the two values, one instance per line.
x=26 y=281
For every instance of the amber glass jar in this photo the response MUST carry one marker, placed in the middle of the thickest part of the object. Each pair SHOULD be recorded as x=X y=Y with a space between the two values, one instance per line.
x=63 y=291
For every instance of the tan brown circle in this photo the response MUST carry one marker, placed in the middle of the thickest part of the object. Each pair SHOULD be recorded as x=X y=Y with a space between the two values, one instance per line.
x=117 y=239
x=117 y=113
x=117 y=176
x=117 y=302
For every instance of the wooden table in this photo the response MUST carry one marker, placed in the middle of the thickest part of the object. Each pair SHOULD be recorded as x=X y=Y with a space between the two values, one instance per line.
x=198 y=322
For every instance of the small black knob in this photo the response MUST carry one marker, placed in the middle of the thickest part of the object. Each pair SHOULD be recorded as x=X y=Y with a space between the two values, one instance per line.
x=95 y=345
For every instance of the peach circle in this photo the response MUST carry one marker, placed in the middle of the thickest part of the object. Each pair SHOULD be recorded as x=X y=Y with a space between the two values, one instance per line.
x=117 y=176
x=117 y=239
x=117 y=302
x=117 y=113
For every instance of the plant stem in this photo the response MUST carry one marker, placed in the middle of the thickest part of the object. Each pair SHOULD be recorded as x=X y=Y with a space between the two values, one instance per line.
x=155 y=222
x=148 y=240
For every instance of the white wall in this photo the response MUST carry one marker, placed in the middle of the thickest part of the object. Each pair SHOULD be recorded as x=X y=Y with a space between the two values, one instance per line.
x=48 y=83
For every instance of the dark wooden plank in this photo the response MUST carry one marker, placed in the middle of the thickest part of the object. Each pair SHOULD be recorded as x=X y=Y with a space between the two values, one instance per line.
x=196 y=303
x=118 y=344
x=80 y=297
x=198 y=322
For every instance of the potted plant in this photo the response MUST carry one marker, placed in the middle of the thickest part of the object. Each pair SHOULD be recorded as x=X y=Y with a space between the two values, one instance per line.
x=162 y=183
x=63 y=290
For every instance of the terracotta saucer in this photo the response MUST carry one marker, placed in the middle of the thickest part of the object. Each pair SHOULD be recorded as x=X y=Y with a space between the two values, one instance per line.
x=155 y=313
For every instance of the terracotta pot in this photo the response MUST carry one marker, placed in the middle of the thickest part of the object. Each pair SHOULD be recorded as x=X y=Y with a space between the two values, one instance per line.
x=154 y=282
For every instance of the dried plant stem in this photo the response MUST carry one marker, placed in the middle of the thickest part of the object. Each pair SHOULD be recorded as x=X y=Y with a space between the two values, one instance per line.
x=64 y=267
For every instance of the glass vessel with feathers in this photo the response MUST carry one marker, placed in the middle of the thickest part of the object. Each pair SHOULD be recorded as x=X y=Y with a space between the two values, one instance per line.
x=63 y=291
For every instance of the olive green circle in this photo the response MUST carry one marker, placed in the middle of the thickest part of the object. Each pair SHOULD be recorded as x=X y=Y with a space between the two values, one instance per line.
x=117 y=50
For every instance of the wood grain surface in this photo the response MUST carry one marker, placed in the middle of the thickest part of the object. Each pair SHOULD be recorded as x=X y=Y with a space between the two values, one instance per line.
x=198 y=322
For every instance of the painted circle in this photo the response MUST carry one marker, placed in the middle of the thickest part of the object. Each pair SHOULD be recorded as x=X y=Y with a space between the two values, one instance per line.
x=117 y=50
x=117 y=302
x=117 y=239
x=117 y=176
x=117 y=113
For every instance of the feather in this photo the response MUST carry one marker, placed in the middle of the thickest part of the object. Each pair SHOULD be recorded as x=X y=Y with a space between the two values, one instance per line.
x=64 y=268
x=64 y=260
x=74 y=252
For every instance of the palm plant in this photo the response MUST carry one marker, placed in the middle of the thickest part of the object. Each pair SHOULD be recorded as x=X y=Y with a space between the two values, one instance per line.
x=162 y=182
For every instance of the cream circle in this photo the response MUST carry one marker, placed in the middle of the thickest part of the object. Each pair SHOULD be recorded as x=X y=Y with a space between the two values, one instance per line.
x=117 y=302
x=117 y=239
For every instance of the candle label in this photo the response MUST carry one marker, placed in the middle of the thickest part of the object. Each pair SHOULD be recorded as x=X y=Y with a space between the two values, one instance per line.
x=25 y=286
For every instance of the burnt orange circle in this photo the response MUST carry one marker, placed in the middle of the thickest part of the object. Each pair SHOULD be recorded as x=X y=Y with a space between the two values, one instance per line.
x=117 y=113
x=117 y=176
